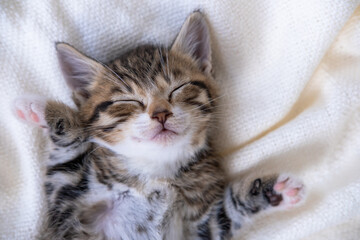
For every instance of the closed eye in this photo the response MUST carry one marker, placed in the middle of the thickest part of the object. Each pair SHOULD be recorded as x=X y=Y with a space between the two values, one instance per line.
x=131 y=101
x=176 y=89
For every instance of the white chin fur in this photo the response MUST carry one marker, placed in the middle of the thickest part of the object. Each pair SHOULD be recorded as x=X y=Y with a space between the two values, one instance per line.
x=151 y=159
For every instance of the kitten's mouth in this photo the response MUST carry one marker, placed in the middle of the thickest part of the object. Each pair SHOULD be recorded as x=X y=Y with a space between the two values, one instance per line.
x=164 y=135
x=160 y=135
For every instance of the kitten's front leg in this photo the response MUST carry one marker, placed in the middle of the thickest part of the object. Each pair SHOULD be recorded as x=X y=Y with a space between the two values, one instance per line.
x=247 y=197
x=59 y=122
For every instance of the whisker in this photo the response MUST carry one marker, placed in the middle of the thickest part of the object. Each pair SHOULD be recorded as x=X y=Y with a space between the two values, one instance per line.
x=212 y=100
x=96 y=148
x=106 y=77
x=167 y=63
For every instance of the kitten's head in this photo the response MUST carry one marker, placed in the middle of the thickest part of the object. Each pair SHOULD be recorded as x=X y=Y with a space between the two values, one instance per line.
x=152 y=105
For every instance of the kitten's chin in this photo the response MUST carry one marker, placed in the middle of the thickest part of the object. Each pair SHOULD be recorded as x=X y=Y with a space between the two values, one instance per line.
x=160 y=157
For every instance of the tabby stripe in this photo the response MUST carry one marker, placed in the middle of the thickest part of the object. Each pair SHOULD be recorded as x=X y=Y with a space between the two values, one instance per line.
x=176 y=72
x=187 y=168
x=202 y=106
x=49 y=188
x=121 y=75
x=56 y=141
x=223 y=221
x=65 y=214
x=162 y=64
x=243 y=206
x=237 y=204
x=79 y=143
x=247 y=208
x=190 y=99
x=70 y=166
x=129 y=77
x=152 y=73
x=233 y=200
x=117 y=177
x=59 y=127
x=196 y=159
x=104 y=179
x=101 y=175
x=70 y=192
x=116 y=90
x=204 y=230
x=124 y=119
x=109 y=128
x=99 y=108
x=202 y=86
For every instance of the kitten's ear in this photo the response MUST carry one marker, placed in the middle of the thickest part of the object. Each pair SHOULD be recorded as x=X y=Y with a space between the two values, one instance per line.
x=78 y=69
x=194 y=40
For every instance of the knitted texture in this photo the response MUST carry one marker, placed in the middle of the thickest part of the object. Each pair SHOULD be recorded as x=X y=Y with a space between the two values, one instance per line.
x=289 y=75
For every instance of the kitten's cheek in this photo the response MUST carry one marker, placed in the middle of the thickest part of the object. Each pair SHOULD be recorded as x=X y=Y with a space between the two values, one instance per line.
x=180 y=126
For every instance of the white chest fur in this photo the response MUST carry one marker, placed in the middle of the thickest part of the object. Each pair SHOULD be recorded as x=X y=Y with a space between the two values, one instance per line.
x=128 y=212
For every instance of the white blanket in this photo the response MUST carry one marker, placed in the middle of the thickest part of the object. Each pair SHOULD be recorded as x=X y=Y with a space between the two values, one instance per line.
x=290 y=77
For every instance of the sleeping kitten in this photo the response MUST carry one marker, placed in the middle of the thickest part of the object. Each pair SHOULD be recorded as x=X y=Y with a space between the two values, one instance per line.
x=135 y=159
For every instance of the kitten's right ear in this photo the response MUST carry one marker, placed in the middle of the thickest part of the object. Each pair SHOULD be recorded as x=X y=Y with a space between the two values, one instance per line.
x=78 y=69
x=194 y=40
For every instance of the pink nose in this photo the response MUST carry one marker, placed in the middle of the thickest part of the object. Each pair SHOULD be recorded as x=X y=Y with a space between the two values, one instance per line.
x=161 y=116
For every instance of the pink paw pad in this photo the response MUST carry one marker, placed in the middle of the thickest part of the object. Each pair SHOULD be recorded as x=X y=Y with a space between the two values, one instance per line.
x=291 y=189
x=20 y=114
x=34 y=117
x=292 y=192
x=31 y=110
x=279 y=186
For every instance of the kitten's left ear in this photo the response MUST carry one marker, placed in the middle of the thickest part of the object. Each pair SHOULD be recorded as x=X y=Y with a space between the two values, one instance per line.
x=78 y=69
x=194 y=40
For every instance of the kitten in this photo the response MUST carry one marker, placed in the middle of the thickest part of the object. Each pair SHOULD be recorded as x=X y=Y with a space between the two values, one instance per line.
x=135 y=159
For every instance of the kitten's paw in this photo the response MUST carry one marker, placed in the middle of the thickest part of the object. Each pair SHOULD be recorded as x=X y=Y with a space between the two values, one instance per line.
x=291 y=190
x=31 y=109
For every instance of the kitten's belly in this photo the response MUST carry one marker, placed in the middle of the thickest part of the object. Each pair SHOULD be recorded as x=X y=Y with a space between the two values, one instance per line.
x=129 y=213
